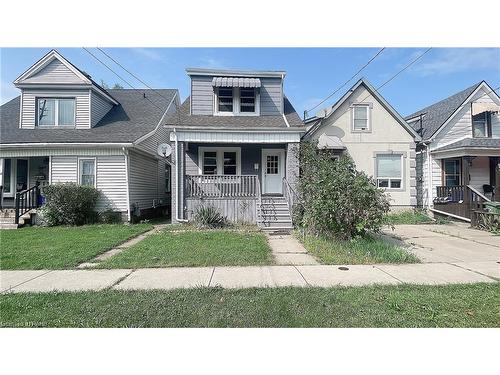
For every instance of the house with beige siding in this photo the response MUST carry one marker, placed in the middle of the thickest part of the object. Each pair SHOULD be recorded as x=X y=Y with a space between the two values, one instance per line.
x=458 y=160
x=381 y=143
x=235 y=141
x=63 y=127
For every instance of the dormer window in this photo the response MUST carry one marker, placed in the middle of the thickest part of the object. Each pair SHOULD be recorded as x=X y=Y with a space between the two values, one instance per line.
x=236 y=101
x=479 y=125
x=56 y=111
x=225 y=100
x=247 y=100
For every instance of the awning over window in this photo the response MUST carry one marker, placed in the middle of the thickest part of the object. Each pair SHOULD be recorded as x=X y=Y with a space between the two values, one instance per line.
x=330 y=142
x=484 y=107
x=235 y=82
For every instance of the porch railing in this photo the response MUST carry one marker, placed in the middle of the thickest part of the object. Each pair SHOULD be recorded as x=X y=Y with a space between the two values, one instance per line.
x=289 y=194
x=27 y=200
x=459 y=200
x=210 y=186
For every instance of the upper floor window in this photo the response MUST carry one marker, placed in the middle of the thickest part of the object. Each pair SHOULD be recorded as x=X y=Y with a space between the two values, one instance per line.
x=360 y=117
x=480 y=125
x=389 y=171
x=56 y=112
x=236 y=101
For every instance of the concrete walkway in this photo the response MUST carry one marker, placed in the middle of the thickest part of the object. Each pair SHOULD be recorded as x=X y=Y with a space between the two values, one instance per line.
x=287 y=250
x=247 y=277
x=448 y=243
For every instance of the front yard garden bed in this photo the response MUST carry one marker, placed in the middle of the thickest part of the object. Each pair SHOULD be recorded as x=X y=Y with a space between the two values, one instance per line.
x=185 y=247
x=471 y=305
x=360 y=250
x=61 y=247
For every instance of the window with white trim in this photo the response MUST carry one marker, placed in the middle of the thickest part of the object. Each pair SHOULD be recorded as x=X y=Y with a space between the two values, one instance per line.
x=220 y=161
x=237 y=101
x=247 y=100
x=389 y=171
x=56 y=111
x=360 y=117
x=225 y=98
x=480 y=125
x=86 y=172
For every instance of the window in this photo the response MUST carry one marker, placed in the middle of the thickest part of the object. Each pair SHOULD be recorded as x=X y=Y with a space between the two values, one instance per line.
x=56 y=112
x=272 y=166
x=479 y=125
x=219 y=160
x=390 y=171
x=225 y=100
x=360 y=117
x=7 y=170
x=247 y=100
x=451 y=172
x=87 y=172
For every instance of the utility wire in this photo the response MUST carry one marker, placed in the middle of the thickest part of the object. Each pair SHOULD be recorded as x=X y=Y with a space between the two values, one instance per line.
x=141 y=81
x=345 y=83
x=119 y=76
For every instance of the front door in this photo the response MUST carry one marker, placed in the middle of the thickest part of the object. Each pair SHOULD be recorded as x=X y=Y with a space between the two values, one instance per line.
x=273 y=171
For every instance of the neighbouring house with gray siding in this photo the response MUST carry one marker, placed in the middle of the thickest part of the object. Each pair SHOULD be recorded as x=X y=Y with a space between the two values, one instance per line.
x=458 y=160
x=235 y=142
x=66 y=128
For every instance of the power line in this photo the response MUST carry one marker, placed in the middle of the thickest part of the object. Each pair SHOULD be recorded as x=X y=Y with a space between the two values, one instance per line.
x=119 y=76
x=346 y=82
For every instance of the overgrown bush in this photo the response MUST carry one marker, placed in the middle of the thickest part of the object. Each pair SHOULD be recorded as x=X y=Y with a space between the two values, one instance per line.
x=109 y=216
x=336 y=199
x=209 y=217
x=69 y=204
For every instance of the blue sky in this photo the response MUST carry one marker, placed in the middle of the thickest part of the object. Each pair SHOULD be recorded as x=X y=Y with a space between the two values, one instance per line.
x=312 y=73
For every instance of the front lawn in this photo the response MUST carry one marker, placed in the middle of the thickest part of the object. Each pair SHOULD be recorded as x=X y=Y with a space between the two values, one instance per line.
x=409 y=217
x=61 y=247
x=192 y=248
x=362 y=250
x=472 y=305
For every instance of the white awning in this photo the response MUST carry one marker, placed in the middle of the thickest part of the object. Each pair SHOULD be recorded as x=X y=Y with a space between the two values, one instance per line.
x=330 y=142
x=484 y=107
x=235 y=82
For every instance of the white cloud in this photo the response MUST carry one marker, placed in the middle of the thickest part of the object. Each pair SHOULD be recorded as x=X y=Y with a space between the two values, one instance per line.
x=210 y=62
x=454 y=60
x=149 y=53
x=8 y=91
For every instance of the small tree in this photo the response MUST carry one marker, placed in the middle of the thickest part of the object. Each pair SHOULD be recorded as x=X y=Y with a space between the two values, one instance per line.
x=335 y=197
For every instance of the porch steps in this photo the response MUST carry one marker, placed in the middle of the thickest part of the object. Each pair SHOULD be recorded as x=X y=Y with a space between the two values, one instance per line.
x=275 y=214
x=8 y=218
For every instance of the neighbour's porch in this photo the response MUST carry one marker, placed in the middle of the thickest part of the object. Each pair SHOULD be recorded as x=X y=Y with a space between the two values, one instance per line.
x=467 y=183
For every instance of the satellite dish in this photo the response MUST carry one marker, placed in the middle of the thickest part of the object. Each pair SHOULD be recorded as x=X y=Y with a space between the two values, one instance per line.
x=164 y=150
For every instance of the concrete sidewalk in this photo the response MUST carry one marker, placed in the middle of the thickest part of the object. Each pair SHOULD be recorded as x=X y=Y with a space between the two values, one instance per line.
x=247 y=277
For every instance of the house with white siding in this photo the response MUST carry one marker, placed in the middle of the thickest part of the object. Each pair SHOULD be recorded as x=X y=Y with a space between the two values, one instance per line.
x=66 y=128
x=235 y=141
x=458 y=160
x=381 y=143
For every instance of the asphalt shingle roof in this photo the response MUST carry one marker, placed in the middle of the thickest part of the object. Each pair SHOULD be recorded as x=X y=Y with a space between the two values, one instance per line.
x=437 y=113
x=127 y=122
x=472 y=143
x=234 y=122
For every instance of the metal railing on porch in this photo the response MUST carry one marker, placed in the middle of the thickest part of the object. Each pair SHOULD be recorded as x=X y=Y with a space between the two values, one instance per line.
x=227 y=186
x=289 y=194
x=459 y=200
x=26 y=201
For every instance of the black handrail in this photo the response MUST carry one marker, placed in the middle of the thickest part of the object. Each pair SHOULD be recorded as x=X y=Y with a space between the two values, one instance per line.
x=1 y=197
x=27 y=200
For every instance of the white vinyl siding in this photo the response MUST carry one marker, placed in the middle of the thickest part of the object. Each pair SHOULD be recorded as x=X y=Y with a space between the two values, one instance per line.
x=146 y=180
x=29 y=109
x=99 y=107
x=111 y=178
x=480 y=172
x=54 y=72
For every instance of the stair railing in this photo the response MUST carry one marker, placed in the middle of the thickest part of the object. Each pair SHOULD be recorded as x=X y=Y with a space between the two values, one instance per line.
x=290 y=195
x=27 y=200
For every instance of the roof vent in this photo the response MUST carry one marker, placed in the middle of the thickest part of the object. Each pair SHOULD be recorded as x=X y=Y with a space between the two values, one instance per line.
x=144 y=95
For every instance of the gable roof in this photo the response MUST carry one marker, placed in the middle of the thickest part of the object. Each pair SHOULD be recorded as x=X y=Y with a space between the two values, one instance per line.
x=435 y=115
x=133 y=118
x=27 y=79
x=327 y=112
x=185 y=119
x=469 y=143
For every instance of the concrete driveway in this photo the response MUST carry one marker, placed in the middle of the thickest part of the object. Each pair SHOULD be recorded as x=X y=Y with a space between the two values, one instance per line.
x=448 y=243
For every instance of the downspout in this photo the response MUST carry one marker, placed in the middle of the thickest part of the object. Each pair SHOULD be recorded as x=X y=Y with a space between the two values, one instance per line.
x=429 y=176
x=177 y=218
x=125 y=154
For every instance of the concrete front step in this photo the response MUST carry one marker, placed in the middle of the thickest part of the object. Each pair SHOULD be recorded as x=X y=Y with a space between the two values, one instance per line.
x=8 y=226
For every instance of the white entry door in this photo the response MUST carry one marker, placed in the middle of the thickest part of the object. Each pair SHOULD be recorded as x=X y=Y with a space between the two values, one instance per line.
x=273 y=171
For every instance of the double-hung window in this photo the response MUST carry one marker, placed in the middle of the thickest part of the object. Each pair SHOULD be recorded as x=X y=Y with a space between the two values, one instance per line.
x=389 y=171
x=56 y=111
x=480 y=125
x=247 y=100
x=87 y=172
x=225 y=99
x=360 y=117
x=238 y=101
x=452 y=172
x=220 y=161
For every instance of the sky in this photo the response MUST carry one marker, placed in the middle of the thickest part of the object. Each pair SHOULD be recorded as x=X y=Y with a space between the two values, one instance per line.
x=312 y=73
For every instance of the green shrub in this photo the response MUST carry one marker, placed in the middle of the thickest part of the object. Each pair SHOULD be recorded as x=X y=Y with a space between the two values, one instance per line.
x=209 y=217
x=336 y=199
x=415 y=216
x=109 y=216
x=69 y=204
